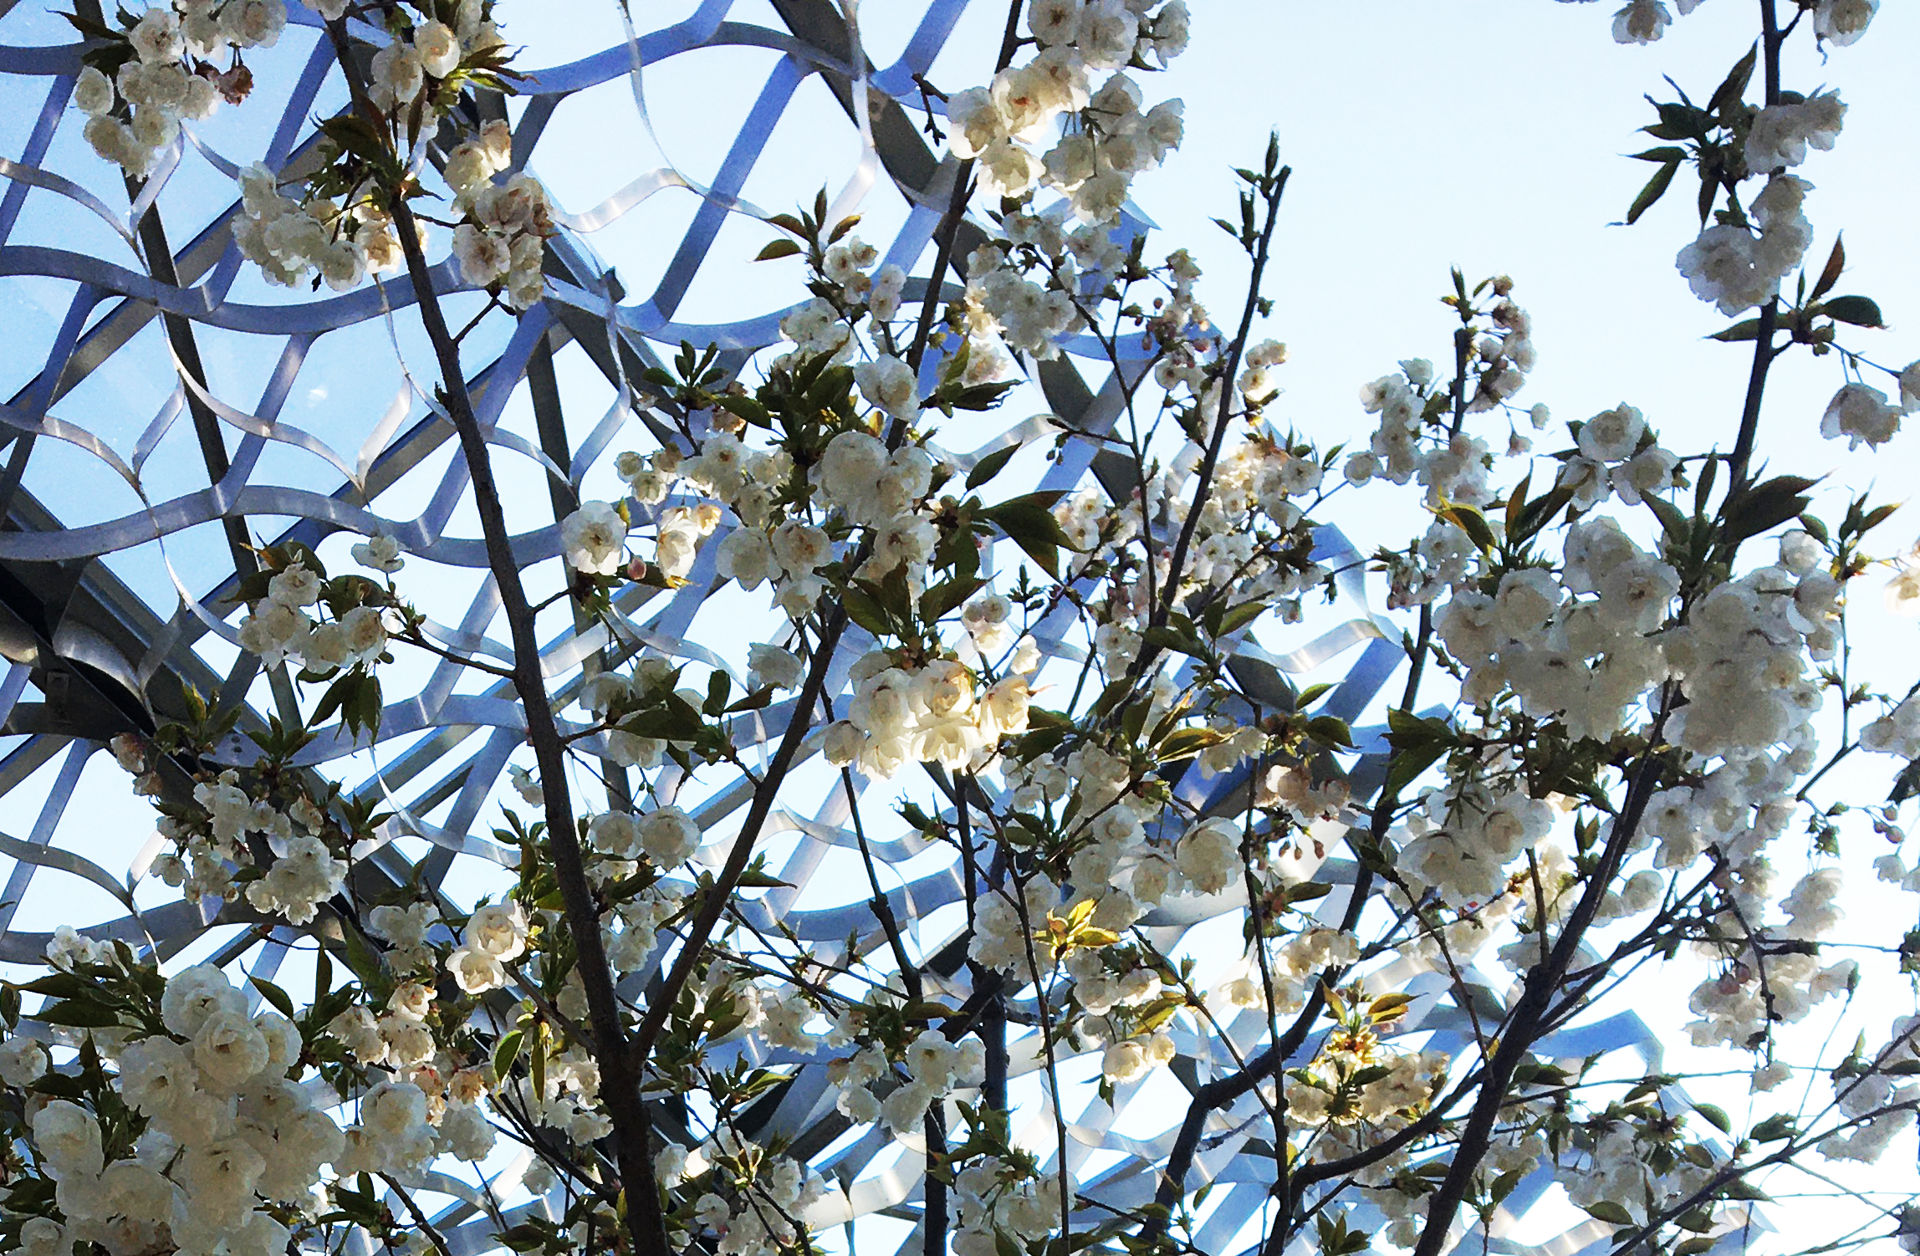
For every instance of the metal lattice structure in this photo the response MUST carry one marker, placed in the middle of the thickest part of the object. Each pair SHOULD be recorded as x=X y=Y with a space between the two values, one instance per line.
x=162 y=416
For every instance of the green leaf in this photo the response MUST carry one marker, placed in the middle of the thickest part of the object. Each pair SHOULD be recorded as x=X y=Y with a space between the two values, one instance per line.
x=1167 y=637
x=59 y=986
x=281 y=1001
x=1672 y=521
x=1418 y=743
x=1860 y=311
x=756 y=700
x=866 y=612
x=1773 y=1129
x=1330 y=730
x=526 y=1237
x=1408 y=764
x=1186 y=742
x=1305 y=892
x=364 y=711
x=1609 y=1211
x=1517 y=502
x=787 y=223
x=1767 y=505
x=719 y=690
x=78 y=1013
x=1656 y=188
x=990 y=465
x=335 y=697
x=745 y=408
x=1717 y=1115
x=1836 y=262
x=1239 y=617
x=777 y=249
x=1312 y=694
x=1745 y=329
x=1404 y=728
x=1734 y=87
x=977 y=396
x=1875 y=517
x=1703 y=486
x=942 y=598
x=1469 y=520
x=841 y=228
x=674 y=719
x=1540 y=512
x=1028 y=521
x=506 y=1053
x=360 y=957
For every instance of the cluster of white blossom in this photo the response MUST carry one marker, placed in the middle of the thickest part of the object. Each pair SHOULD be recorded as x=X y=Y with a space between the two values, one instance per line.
x=996 y=1198
x=1738 y=262
x=1843 y=22
x=222 y=1135
x=1617 y=455
x=1736 y=267
x=1414 y=442
x=495 y=936
x=1094 y=163
x=569 y=1102
x=896 y=1088
x=1467 y=835
x=936 y=713
x=1004 y=309
x=1839 y=22
x=1878 y=1108
x=1024 y=293
x=219 y=840
x=745 y=1196
x=290 y=240
x=610 y=697
x=133 y=116
x=1296 y=966
x=1621 y=1167
x=1781 y=134
x=1384 y=1104
x=502 y=242
x=1585 y=662
x=1005 y=920
x=1742 y=656
x=303 y=874
x=1252 y=535
x=664 y=835
x=347 y=233
x=412 y=69
x=1897 y=732
x=421 y=1102
x=1861 y=412
x=279 y=628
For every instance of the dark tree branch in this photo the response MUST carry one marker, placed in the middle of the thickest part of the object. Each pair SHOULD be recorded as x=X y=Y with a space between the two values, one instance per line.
x=620 y=1091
